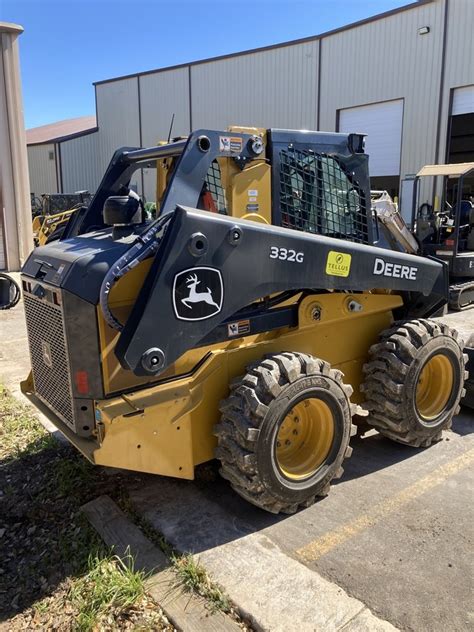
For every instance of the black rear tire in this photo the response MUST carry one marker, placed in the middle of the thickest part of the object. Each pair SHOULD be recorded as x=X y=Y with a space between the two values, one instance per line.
x=258 y=413
x=414 y=381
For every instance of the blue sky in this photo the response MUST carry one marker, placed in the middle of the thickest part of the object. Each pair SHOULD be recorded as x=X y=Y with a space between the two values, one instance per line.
x=69 y=44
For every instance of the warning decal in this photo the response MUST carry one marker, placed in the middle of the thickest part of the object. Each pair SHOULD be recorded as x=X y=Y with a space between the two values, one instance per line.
x=239 y=328
x=338 y=264
x=230 y=143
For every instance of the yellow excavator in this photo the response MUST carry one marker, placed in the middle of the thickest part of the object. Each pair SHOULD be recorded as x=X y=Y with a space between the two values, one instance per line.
x=252 y=321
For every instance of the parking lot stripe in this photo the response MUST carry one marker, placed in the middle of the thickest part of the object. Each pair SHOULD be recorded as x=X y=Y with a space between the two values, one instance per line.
x=319 y=547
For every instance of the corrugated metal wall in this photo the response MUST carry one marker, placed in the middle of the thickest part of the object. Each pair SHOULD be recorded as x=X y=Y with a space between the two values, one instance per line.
x=80 y=163
x=162 y=95
x=459 y=59
x=375 y=62
x=118 y=120
x=384 y=60
x=43 y=178
x=274 y=88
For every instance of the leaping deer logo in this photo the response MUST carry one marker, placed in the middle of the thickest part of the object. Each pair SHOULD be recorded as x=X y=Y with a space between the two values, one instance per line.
x=197 y=297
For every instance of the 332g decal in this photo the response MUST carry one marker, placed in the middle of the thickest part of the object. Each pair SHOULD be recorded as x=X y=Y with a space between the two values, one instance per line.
x=285 y=254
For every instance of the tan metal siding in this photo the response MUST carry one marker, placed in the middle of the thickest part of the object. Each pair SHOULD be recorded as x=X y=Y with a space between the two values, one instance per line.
x=42 y=170
x=275 y=88
x=459 y=63
x=162 y=95
x=80 y=164
x=117 y=119
x=388 y=59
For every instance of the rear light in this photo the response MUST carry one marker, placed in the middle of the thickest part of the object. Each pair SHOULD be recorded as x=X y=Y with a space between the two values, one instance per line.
x=82 y=382
x=449 y=242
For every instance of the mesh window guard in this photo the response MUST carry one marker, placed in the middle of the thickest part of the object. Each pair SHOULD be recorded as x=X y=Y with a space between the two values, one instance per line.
x=214 y=186
x=317 y=196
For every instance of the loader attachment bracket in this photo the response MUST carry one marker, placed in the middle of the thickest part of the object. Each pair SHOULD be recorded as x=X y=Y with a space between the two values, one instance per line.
x=209 y=267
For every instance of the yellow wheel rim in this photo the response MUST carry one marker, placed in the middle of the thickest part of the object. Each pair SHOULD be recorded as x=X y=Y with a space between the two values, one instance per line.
x=434 y=386
x=304 y=439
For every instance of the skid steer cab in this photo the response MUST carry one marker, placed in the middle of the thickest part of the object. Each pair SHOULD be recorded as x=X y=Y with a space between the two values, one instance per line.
x=252 y=321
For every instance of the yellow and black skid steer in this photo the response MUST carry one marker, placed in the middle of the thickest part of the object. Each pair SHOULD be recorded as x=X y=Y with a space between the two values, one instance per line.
x=253 y=321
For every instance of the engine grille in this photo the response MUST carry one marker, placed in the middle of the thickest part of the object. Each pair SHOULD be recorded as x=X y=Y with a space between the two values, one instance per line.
x=49 y=359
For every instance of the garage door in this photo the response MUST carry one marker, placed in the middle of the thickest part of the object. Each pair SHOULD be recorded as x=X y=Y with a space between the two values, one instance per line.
x=463 y=100
x=382 y=122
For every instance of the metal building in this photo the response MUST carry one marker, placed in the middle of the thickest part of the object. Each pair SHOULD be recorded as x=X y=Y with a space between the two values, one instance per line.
x=62 y=156
x=404 y=77
x=15 y=219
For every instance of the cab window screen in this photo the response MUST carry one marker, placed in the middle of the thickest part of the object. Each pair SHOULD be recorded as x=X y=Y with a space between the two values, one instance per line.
x=214 y=186
x=318 y=196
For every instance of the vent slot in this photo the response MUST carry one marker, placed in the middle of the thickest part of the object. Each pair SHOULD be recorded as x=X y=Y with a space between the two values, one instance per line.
x=49 y=359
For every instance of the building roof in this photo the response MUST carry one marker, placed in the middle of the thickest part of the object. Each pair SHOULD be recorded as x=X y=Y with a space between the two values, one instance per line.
x=9 y=27
x=312 y=38
x=61 y=130
x=452 y=171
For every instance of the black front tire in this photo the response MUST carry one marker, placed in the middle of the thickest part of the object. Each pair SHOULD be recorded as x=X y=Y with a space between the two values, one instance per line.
x=253 y=415
x=393 y=375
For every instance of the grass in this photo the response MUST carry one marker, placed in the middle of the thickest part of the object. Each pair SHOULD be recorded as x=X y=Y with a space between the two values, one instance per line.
x=20 y=433
x=110 y=586
x=54 y=568
x=191 y=575
x=195 y=578
x=55 y=572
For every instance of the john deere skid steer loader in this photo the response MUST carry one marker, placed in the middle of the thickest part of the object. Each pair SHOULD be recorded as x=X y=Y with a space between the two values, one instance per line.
x=253 y=321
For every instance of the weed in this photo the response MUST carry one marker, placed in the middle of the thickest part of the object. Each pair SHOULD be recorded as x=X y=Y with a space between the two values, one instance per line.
x=194 y=577
x=110 y=586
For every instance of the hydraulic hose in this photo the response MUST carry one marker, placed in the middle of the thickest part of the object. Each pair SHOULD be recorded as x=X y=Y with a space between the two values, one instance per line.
x=145 y=246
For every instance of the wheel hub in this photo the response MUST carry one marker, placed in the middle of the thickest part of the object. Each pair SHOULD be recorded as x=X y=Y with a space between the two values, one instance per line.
x=434 y=386
x=304 y=438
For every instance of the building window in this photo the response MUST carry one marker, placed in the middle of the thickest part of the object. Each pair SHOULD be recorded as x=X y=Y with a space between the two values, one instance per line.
x=51 y=155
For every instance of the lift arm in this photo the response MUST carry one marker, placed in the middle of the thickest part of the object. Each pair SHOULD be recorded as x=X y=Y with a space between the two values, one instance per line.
x=208 y=267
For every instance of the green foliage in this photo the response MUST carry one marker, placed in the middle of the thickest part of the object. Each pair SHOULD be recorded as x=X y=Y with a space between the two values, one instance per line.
x=110 y=586
x=194 y=577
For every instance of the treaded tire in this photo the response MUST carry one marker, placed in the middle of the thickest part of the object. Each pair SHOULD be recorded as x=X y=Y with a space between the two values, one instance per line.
x=391 y=379
x=252 y=415
x=15 y=292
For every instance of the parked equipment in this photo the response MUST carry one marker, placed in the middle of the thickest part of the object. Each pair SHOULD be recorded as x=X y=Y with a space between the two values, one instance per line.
x=259 y=331
x=56 y=209
x=448 y=232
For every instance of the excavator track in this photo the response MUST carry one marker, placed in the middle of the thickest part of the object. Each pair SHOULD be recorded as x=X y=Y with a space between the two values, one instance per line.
x=461 y=295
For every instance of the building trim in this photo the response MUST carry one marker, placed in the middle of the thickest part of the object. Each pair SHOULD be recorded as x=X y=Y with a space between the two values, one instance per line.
x=3 y=221
x=303 y=40
x=10 y=27
x=441 y=85
x=190 y=99
x=318 y=100
x=140 y=133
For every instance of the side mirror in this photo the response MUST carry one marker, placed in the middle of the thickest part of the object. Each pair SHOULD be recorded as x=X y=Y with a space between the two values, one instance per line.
x=9 y=292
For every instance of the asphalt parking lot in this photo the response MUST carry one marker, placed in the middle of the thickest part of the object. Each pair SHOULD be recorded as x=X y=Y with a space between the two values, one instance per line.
x=395 y=532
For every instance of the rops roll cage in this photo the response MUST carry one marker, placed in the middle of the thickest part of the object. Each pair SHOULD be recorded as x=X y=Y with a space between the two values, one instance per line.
x=196 y=153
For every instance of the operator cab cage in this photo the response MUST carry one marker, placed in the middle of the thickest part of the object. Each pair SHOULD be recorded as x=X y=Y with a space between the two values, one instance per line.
x=452 y=238
x=319 y=180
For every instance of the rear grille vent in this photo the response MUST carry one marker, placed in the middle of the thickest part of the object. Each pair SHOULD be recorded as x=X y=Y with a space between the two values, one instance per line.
x=49 y=359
